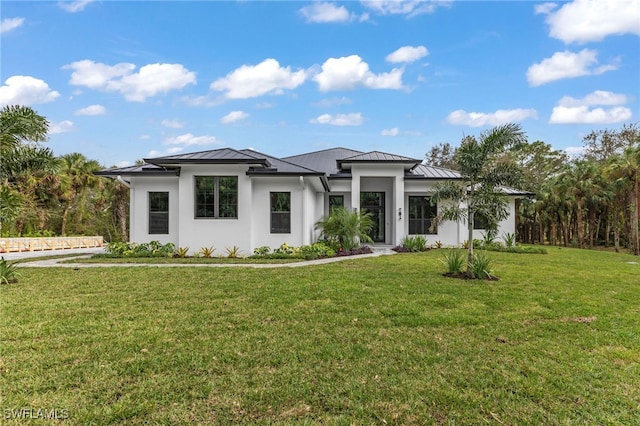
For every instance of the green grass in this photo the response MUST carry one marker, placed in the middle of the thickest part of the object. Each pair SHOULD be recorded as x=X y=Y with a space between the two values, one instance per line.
x=363 y=341
x=176 y=260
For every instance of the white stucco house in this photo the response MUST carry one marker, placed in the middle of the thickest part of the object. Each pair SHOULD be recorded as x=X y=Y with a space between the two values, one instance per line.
x=227 y=197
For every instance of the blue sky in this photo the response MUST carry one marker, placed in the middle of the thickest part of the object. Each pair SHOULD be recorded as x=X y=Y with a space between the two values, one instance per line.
x=124 y=80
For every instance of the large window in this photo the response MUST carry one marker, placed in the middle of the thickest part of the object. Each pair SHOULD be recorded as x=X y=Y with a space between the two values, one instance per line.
x=280 y=212
x=335 y=201
x=158 y=212
x=421 y=215
x=480 y=221
x=216 y=197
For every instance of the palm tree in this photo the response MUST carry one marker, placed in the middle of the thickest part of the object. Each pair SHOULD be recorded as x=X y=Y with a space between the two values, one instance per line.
x=625 y=169
x=484 y=169
x=21 y=124
x=76 y=174
x=346 y=229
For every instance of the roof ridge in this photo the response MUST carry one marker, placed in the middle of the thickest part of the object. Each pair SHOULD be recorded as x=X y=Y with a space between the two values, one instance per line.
x=324 y=150
x=280 y=159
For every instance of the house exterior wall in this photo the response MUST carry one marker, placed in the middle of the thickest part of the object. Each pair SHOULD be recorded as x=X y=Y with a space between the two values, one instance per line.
x=309 y=204
x=219 y=233
x=139 y=208
x=303 y=207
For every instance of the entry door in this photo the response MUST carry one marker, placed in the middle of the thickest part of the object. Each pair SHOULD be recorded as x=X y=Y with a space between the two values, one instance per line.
x=373 y=203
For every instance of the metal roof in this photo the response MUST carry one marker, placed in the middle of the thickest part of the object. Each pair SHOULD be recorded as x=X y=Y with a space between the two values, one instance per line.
x=377 y=157
x=424 y=171
x=141 y=169
x=324 y=161
x=215 y=156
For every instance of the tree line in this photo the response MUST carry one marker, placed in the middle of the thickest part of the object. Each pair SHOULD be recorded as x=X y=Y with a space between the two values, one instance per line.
x=585 y=201
x=46 y=195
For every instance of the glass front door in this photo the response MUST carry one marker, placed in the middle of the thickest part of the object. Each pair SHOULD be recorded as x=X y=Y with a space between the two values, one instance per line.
x=373 y=203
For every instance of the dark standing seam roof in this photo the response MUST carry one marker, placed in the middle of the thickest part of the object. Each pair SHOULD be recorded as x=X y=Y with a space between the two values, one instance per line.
x=423 y=171
x=141 y=169
x=324 y=161
x=216 y=156
x=375 y=156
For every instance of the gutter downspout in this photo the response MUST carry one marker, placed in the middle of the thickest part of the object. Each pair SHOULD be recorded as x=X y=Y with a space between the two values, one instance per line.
x=122 y=181
x=305 y=236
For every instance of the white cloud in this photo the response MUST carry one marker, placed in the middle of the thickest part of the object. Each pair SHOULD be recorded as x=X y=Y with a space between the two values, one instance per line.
x=501 y=116
x=144 y=137
x=252 y=81
x=74 y=6
x=61 y=127
x=124 y=163
x=26 y=90
x=583 y=21
x=150 y=80
x=566 y=64
x=544 y=8
x=350 y=72
x=92 y=110
x=407 y=54
x=322 y=13
x=189 y=140
x=599 y=97
x=172 y=124
x=234 y=116
x=352 y=119
x=410 y=8
x=390 y=132
x=9 y=24
x=576 y=111
x=327 y=103
x=169 y=151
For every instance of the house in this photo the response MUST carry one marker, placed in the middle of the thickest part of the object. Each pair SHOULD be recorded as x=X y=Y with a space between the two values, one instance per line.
x=227 y=197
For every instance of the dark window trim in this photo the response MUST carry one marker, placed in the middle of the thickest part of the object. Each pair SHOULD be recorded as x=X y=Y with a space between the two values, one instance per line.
x=216 y=197
x=273 y=223
x=161 y=213
x=424 y=222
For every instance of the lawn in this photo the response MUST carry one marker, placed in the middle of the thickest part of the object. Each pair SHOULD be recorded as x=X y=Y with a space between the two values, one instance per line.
x=384 y=340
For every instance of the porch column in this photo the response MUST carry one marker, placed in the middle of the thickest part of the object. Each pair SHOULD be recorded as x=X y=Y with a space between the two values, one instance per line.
x=355 y=190
x=400 y=212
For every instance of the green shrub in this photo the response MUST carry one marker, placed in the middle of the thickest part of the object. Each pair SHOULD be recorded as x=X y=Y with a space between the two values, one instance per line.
x=233 y=252
x=481 y=266
x=454 y=260
x=346 y=230
x=509 y=239
x=415 y=243
x=181 y=252
x=8 y=272
x=261 y=251
x=151 y=249
x=207 y=252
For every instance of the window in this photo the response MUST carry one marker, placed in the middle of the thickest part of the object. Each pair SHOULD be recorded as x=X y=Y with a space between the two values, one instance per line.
x=421 y=215
x=335 y=201
x=216 y=197
x=158 y=212
x=480 y=221
x=280 y=212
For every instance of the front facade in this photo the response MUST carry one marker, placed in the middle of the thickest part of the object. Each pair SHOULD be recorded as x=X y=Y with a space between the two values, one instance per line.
x=225 y=198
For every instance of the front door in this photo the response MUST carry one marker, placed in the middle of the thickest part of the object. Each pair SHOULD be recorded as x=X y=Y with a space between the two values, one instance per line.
x=373 y=203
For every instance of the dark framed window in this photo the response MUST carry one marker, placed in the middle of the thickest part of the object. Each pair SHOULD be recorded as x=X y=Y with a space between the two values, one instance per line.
x=158 y=212
x=336 y=201
x=480 y=221
x=216 y=197
x=421 y=215
x=280 y=212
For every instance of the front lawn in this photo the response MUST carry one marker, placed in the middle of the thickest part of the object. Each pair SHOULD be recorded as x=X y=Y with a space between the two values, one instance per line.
x=385 y=340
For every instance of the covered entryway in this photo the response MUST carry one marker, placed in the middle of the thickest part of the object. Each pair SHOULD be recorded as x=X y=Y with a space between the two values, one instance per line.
x=374 y=203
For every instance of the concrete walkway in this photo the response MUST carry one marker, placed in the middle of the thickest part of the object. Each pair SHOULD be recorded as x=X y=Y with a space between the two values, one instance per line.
x=87 y=253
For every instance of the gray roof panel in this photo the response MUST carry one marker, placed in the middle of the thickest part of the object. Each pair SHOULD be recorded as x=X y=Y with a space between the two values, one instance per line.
x=215 y=156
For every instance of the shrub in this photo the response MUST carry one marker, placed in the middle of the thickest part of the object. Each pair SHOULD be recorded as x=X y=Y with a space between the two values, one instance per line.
x=454 y=261
x=346 y=230
x=317 y=250
x=509 y=239
x=152 y=249
x=438 y=244
x=414 y=243
x=481 y=266
x=261 y=251
x=207 y=252
x=233 y=252
x=182 y=252
x=8 y=272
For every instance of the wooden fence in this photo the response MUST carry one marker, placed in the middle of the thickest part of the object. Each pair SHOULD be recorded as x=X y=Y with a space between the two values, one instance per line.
x=48 y=243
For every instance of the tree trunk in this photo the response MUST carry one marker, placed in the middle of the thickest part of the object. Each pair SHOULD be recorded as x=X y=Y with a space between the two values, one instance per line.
x=63 y=227
x=634 y=218
x=470 y=245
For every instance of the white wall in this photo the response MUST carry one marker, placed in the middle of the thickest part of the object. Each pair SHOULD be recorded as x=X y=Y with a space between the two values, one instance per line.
x=139 y=208
x=219 y=233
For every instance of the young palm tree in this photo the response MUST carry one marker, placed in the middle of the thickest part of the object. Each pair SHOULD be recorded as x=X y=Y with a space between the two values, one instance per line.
x=346 y=229
x=484 y=170
x=76 y=175
x=20 y=124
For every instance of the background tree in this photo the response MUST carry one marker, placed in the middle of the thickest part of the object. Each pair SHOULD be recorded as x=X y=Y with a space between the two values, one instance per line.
x=20 y=125
x=484 y=167
x=441 y=155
